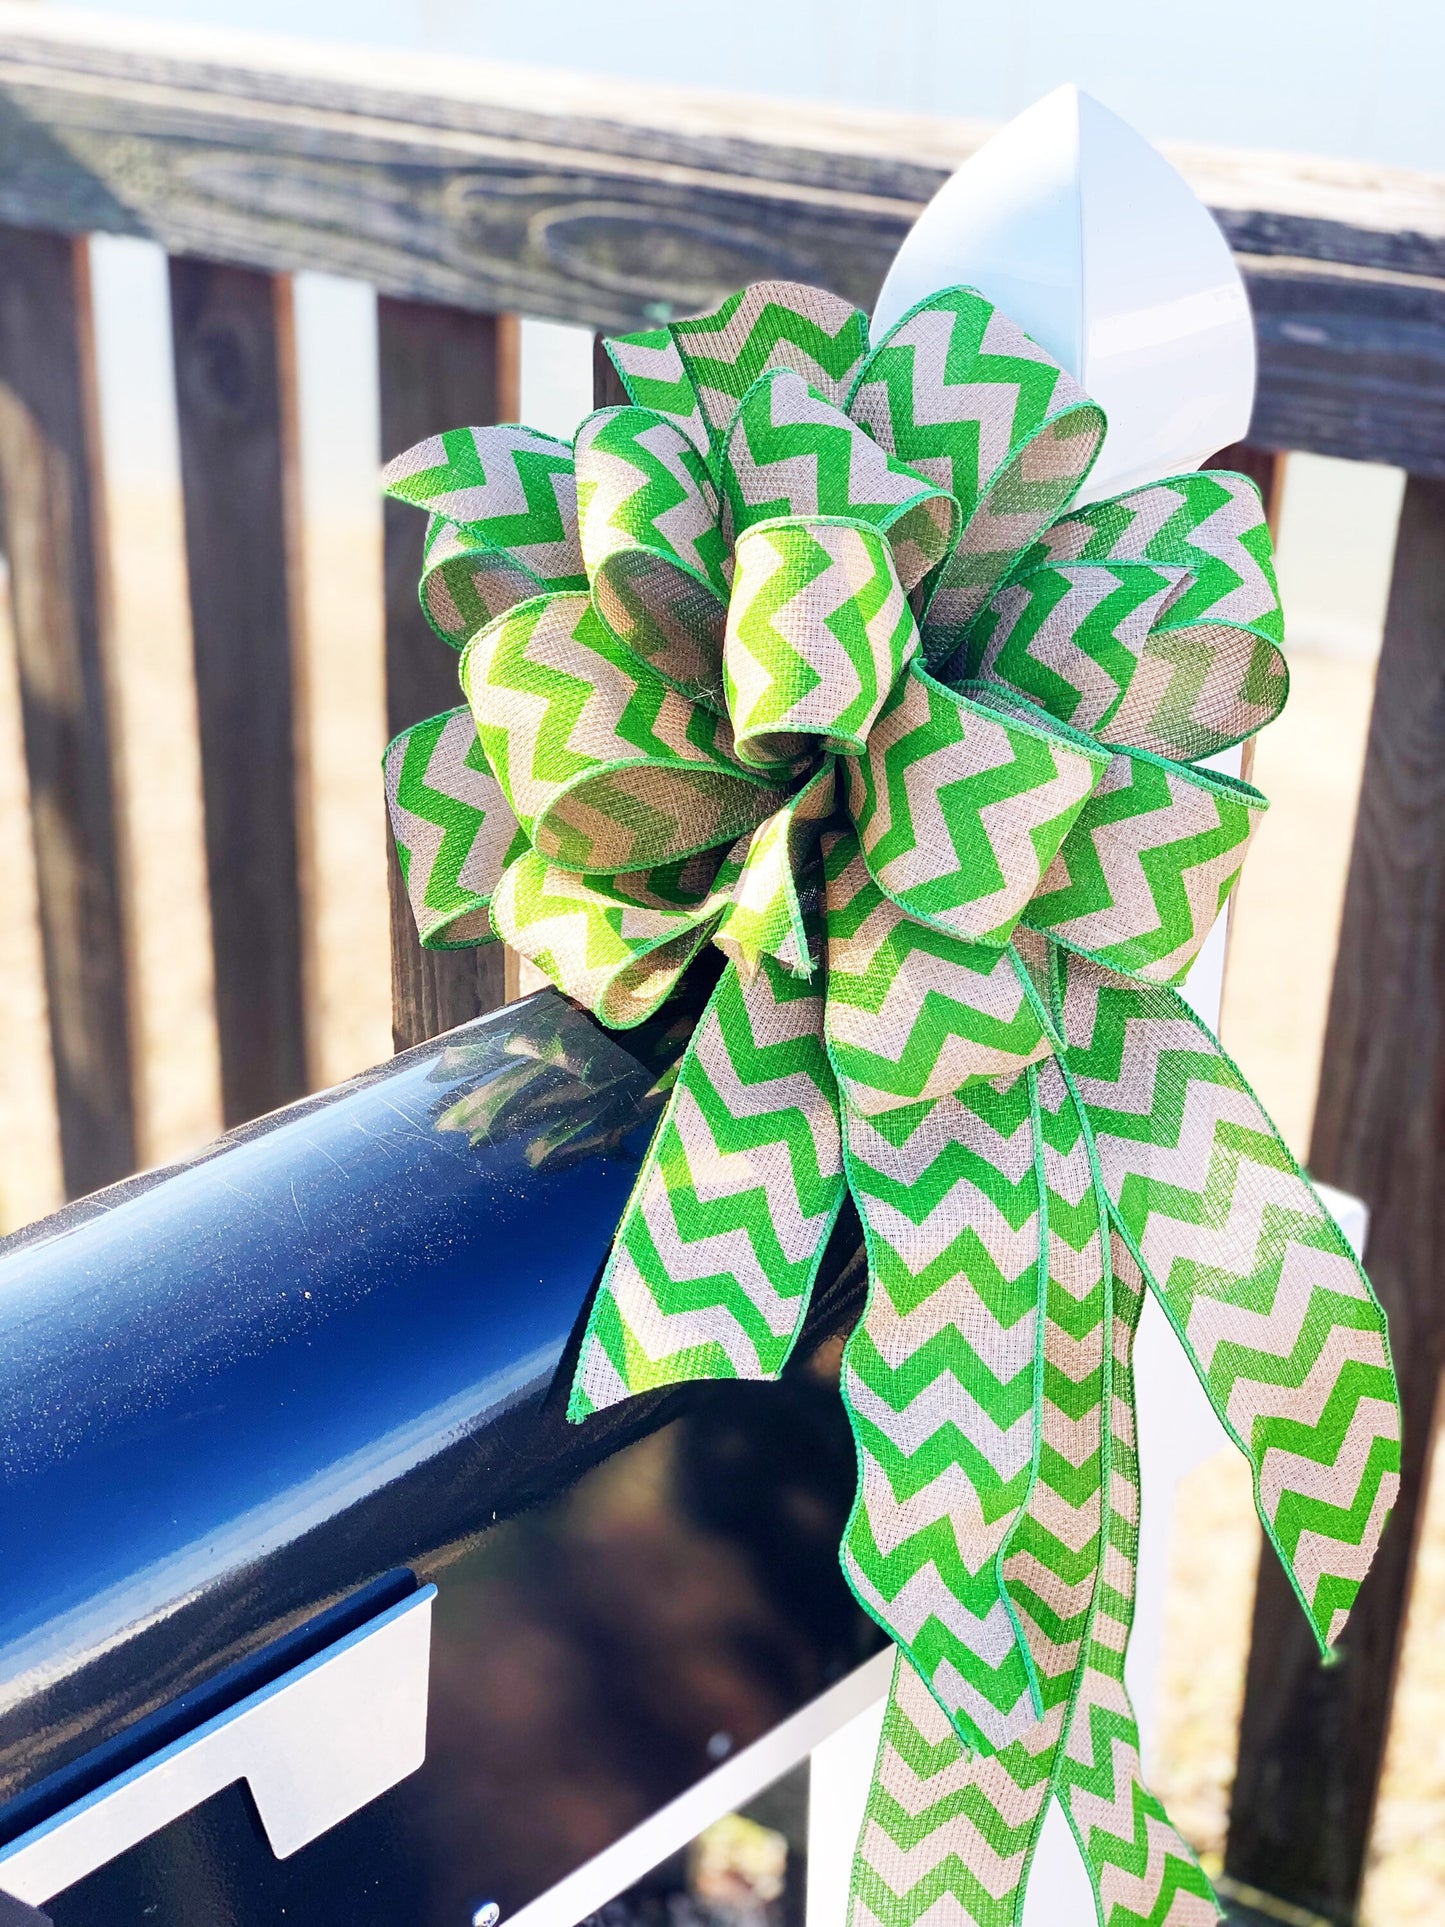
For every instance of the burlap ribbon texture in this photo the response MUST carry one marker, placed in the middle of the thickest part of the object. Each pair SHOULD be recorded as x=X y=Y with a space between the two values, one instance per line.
x=804 y=654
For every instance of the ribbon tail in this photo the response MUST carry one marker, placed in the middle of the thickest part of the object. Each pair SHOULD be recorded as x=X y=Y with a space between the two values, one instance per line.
x=1259 y=1282
x=1141 y=1867
x=721 y=1240
x=941 y=1820
x=1074 y=1563
x=941 y=1383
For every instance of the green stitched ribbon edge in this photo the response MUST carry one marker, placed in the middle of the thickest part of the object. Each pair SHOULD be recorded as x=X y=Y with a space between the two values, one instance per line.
x=620 y=717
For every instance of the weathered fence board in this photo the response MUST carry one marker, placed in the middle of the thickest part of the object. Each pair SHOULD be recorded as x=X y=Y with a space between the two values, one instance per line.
x=606 y=203
x=235 y=402
x=1349 y=364
x=50 y=507
x=439 y=368
x=1312 y=1739
x=607 y=389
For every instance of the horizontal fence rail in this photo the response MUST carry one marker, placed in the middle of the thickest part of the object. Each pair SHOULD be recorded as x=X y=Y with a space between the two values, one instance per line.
x=466 y=194
x=596 y=201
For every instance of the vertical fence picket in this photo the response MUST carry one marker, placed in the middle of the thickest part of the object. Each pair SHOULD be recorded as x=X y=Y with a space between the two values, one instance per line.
x=235 y=403
x=439 y=368
x=1312 y=1739
x=607 y=389
x=51 y=509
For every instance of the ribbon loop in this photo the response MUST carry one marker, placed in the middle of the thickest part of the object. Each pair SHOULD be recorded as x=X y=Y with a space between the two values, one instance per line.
x=606 y=767
x=772 y=324
x=653 y=377
x=509 y=489
x=957 y=391
x=960 y=808
x=1148 y=866
x=914 y=1015
x=962 y=395
x=818 y=630
x=791 y=453
x=1069 y=635
x=1207 y=672
x=1024 y=496
x=655 y=555
x=455 y=833
x=616 y=943
x=466 y=582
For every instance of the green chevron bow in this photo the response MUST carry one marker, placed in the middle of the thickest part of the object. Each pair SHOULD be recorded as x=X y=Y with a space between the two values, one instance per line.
x=802 y=653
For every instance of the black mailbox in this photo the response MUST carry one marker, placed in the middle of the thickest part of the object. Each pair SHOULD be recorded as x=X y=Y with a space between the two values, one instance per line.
x=313 y=1607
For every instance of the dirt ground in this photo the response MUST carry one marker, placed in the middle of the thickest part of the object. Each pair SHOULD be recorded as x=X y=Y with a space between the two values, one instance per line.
x=1287 y=915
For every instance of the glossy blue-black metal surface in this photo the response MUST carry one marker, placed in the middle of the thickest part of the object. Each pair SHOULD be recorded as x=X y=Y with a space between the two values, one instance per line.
x=237 y=1393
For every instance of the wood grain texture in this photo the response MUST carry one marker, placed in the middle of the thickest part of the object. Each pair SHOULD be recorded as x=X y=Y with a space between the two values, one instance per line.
x=235 y=402
x=1350 y=364
x=439 y=368
x=608 y=203
x=50 y=508
x=1311 y=1740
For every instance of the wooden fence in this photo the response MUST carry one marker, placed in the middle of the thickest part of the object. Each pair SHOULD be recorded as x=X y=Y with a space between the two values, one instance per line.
x=467 y=195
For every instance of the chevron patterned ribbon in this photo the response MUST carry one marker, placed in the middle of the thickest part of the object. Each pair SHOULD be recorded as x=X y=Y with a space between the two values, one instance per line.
x=803 y=653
